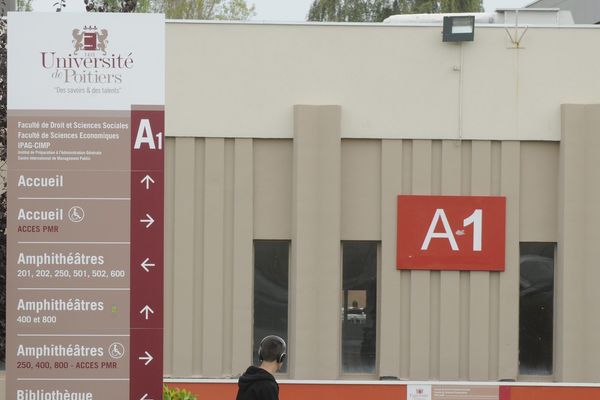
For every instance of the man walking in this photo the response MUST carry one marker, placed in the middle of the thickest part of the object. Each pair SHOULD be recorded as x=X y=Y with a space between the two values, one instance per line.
x=258 y=383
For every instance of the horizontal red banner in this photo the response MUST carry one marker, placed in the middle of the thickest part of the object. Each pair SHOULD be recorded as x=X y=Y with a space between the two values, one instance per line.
x=392 y=391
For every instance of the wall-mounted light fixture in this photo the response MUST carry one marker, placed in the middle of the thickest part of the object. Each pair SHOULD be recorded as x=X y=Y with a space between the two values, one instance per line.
x=459 y=28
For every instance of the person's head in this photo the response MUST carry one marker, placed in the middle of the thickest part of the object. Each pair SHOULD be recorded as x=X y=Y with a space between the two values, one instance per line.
x=272 y=350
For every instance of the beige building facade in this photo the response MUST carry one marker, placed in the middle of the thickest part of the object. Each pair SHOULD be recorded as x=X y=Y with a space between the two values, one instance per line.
x=308 y=133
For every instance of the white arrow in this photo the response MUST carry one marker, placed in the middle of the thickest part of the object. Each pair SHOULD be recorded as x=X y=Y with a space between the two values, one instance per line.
x=146 y=310
x=148 y=358
x=147 y=180
x=145 y=264
x=149 y=221
x=144 y=397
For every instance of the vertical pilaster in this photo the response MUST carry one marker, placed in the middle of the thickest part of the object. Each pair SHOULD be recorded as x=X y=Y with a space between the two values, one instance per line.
x=183 y=257
x=591 y=236
x=315 y=268
x=570 y=265
x=212 y=289
x=450 y=280
x=390 y=352
x=420 y=281
x=508 y=314
x=242 y=255
x=479 y=299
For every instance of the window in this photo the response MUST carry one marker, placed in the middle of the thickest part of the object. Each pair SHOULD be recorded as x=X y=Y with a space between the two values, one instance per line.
x=359 y=307
x=536 y=308
x=271 y=271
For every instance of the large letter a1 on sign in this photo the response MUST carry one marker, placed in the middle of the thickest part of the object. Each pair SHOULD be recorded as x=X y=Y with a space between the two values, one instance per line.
x=451 y=233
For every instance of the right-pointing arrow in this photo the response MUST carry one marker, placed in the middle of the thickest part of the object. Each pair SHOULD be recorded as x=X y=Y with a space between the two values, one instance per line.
x=148 y=358
x=149 y=220
x=145 y=264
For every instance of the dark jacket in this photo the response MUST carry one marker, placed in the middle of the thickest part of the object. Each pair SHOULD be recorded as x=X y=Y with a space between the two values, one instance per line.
x=257 y=384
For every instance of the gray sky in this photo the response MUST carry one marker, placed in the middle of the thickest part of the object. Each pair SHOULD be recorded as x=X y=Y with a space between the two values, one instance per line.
x=277 y=10
x=296 y=10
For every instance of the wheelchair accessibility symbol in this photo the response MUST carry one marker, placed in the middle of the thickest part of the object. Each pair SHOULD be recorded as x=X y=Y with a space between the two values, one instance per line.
x=76 y=214
x=116 y=350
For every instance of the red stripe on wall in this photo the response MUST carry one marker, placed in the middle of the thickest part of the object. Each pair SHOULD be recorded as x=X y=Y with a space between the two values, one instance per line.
x=342 y=392
x=554 y=393
x=218 y=391
x=504 y=393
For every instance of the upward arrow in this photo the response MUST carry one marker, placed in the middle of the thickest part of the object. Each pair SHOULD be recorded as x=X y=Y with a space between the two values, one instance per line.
x=147 y=180
x=146 y=310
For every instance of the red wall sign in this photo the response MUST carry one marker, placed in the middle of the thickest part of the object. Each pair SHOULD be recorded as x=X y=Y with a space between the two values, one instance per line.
x=451 y=233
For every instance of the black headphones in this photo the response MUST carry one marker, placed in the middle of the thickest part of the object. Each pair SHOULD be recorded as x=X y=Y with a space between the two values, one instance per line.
x=280 y=357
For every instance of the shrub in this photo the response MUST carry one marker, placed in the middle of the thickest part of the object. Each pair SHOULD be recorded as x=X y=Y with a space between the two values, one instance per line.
x=177 y=394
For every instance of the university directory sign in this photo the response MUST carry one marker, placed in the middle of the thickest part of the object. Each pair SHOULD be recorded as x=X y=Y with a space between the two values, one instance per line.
x=85 y=206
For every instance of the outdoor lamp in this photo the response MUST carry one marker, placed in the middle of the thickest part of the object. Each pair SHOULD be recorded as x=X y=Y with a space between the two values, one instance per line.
x=459 y=28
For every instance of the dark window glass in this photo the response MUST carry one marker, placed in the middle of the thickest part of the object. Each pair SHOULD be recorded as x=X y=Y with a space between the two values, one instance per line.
x=271 y=262
x=359 y=307
x=536 y=311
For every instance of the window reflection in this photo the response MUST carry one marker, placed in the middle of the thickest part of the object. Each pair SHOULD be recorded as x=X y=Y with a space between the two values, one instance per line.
x=359 y=307
x=536 y=308
x=271 y=270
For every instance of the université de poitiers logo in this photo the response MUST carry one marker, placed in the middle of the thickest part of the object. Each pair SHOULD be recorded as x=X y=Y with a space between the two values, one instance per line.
x=90 y=61
x=90 y=39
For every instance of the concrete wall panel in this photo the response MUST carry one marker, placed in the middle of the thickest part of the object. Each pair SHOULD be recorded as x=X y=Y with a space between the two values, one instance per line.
x=445 y=325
